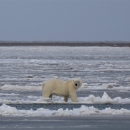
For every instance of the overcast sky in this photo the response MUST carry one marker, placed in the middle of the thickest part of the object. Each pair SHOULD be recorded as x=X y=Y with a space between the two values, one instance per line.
x=65 y=20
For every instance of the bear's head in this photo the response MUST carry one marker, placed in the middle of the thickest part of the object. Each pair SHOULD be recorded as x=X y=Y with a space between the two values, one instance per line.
x=77 y=83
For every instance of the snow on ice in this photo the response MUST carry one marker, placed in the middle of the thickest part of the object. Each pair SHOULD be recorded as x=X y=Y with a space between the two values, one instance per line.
x=84 y=86
x=6 y=110
x=95 y=67
x=21 y=88
x=91 y=99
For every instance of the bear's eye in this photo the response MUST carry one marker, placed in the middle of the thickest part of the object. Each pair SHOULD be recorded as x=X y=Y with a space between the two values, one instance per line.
x=75 y=84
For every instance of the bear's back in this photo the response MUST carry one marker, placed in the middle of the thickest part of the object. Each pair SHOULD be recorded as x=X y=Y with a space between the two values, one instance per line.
x=54 y=82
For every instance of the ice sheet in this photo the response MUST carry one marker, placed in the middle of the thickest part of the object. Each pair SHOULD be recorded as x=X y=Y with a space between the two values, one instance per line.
x=24 y=69
x=33 y=65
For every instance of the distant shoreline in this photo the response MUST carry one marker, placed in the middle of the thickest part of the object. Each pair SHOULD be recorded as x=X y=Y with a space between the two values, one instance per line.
x=111 y=44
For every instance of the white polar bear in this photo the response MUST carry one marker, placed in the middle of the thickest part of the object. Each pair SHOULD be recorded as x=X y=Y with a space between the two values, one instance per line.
x=61 y=88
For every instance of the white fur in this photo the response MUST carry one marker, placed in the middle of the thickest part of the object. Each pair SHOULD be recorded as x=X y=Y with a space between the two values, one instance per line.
x=61 y=88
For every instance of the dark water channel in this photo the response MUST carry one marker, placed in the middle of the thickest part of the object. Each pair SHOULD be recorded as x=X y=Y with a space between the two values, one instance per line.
x=68 y=106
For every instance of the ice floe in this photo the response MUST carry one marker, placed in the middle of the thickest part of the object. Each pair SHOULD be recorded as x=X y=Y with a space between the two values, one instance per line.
x=6 y=110
x=107 y=86
x=105 y=99
x=91 y=99
x=21 y=88
x=8 y=94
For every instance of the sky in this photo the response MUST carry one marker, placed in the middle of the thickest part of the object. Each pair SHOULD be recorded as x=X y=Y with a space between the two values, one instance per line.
x=65 y=20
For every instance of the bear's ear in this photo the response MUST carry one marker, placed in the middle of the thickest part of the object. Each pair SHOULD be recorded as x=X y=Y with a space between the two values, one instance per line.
x=74 y=81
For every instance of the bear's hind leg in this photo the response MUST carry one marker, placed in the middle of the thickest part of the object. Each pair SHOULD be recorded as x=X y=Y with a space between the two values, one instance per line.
x=66 y=98
x=47 y=95
x=50 y=96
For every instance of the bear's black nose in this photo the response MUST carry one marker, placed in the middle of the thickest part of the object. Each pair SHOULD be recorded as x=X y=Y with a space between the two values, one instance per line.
x=75 y=84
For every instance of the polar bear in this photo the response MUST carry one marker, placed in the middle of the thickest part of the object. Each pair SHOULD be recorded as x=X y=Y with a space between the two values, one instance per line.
x=61 y=88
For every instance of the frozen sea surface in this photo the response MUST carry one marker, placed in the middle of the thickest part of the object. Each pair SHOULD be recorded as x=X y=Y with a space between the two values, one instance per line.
x=105 y=72
x=95 y=65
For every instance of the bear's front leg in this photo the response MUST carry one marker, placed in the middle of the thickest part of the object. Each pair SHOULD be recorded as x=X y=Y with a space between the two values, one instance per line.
x=73 y=97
